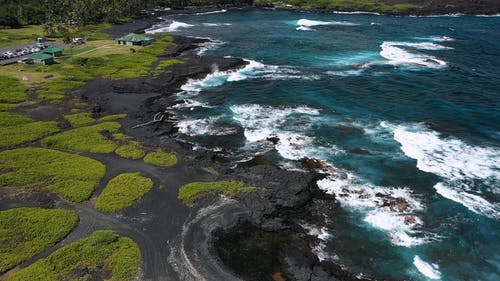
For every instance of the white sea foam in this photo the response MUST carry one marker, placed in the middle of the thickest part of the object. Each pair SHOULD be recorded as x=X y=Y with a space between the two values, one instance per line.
x=309 y=23
x=474 y=203
x=211 y=44
x=173 y=26
x=261 y=122
x=435 y=38
x=216 y=24
x=345 y=73
x=450 y=158
x=253 y=70
x=206 y=126
x=211 y=12
x=191 y=103
x=488 y=16
x=360 y=196
x=458 y=163
x=353 y=193
x=431 y=271
x=322 y=234
x=304 y=28
x=397 y=55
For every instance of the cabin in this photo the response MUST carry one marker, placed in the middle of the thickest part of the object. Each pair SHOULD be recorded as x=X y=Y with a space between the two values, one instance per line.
x=53 y=51
x=133 y=39
x=41 y=58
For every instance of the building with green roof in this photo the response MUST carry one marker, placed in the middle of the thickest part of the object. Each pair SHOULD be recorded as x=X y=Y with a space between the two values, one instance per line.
x=42 y=58
x=133 y=39
x=53 y=51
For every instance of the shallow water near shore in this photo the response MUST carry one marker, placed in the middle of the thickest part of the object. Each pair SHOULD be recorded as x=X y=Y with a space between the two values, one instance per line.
x=406 y=107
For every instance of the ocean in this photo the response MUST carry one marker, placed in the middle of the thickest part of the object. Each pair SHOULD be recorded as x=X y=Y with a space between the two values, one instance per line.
x=399 y=107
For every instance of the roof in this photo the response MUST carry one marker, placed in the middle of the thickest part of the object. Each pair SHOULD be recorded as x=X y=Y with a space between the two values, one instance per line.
x=40 y=56
x=52 y=49
x=132 y=37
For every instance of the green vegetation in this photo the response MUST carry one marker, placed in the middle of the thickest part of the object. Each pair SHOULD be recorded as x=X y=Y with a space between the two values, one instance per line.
x=164 y=64
x=72 y=176
x=25 y=232
x=79 y=119
x=87 y=259
x=57 y=87
x=131 y=150
x=85 y=139
x=6 y=106
x=11 y=90
x=17 y=129
x=112 y=117
x=161 y=158
x=192 y=191
x=360 y=5
x=122 y=191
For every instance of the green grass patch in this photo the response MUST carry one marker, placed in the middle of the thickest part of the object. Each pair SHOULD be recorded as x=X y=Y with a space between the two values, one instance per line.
x=190 y=192
x=85 y=139
x=164 y=65
x=360 y=5
x=6 y=106
x=11 y=90
x=98 y=36
x=17 y=36
x=86 y=259
x=25 y=232
x=79 y=119
x=17 y=129
x=132 y=150
x=56 y=88
x=74 y=177
x=112 y=117
x=122 y=191
x=161 y=158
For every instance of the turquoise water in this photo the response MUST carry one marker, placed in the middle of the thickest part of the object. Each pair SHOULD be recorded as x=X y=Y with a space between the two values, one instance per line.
x=406 y=107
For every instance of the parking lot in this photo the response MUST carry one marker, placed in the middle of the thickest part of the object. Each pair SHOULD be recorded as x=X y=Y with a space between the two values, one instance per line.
x=12 y=55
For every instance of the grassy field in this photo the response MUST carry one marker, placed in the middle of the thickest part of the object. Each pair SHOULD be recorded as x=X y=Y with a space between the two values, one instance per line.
x=190 y=192
x=132 y=150
x=11 y=90
x=112 y=117
x=85 y=139
x=97 y=57
x=161 y=158
x=353 y=5
x=90 y=258
x=25 y=232
x=17 y=129
x=19 y=36
x=72 y=176
x=122 y=191
x=79 y=119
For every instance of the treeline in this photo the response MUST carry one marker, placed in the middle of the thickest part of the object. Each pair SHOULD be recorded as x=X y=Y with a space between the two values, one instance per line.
x=58 y=13
x=16 y=13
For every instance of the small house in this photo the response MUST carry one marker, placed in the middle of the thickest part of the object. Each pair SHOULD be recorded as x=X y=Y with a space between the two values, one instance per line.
x=53 y=51
x=42 y=58
x=133 y=39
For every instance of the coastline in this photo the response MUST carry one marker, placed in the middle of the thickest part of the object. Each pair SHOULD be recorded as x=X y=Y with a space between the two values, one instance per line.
x=189 y=242
x=277 y=207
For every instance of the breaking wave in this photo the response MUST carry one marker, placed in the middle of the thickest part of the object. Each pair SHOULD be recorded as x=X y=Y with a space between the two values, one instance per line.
x=397 y=53
x=173 y=26
x=458 y=163
x=431 y=271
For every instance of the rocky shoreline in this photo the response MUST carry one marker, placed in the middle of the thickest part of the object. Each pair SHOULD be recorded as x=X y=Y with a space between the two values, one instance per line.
x=200 y=247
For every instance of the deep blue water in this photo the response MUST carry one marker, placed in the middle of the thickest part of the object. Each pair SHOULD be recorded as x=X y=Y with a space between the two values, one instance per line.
x=404 y=106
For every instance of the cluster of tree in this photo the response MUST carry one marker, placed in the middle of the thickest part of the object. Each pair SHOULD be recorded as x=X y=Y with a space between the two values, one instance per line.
x=59 y=13
x=15 y=13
